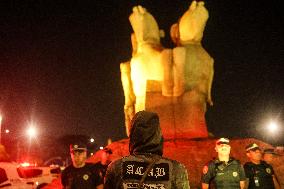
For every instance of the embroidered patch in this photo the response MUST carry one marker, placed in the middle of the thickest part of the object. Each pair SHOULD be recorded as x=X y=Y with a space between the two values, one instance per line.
x=85 y=177
x=205 y=169
x=135 y=170
x=268 y=170
x=130 y=185
x=235 y=174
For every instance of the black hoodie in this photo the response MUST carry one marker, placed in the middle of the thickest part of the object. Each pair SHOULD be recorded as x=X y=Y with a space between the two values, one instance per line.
x=145 y=134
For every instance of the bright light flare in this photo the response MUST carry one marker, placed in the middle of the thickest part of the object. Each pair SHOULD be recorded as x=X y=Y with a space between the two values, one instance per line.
x=25 y=164
x=272 y=127
x=92 y=140
x=31 y=132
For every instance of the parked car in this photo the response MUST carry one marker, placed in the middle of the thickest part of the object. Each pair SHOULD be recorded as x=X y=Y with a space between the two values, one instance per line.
x=16 y=176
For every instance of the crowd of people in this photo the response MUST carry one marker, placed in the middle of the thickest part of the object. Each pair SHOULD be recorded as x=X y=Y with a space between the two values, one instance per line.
x=146 y=167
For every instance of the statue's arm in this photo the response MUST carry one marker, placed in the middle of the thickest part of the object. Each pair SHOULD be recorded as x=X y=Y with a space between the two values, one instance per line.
x=129 y=96
x=211 y=75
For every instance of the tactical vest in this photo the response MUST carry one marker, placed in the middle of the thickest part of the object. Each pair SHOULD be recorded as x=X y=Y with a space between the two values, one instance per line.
x=133 y=168
x=227 y=175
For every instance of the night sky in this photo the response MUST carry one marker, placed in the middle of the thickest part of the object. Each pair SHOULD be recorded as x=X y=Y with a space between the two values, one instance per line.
x=59 y=63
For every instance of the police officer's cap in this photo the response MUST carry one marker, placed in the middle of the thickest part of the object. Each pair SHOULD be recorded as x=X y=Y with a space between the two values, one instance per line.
x=222 y=141
x=78 y=147
x=252 y=147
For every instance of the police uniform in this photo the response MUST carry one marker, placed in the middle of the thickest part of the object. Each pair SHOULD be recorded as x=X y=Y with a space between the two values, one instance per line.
x=145 y=167
x=224 y=175
x=260 y=175
x=86 y=177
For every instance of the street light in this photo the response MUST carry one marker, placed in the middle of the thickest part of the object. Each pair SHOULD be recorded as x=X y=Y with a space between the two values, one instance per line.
x=31 y=132
x=272 y=127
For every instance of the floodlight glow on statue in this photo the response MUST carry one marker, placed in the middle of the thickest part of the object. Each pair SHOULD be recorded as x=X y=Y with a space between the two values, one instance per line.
x=186 y=68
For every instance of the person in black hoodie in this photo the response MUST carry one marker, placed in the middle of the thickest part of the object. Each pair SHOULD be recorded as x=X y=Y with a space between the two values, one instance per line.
x=145 y=167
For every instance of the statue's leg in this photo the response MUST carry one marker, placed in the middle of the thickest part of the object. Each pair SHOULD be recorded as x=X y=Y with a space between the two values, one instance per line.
x=167 y=62
x=129 y=97
x=139 y=85
x=179 y=58
x=140 y=93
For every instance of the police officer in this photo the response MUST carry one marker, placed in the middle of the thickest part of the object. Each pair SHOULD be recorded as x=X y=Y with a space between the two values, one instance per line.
x=224 y=172
x=145 y=167
x=259 y=173
x=268 y=155
x=104 y=161
x=80 y=175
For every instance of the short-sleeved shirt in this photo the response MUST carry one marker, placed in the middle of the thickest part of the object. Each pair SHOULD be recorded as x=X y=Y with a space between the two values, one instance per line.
x=87 y=177
x=223 y=175
x=259 y=174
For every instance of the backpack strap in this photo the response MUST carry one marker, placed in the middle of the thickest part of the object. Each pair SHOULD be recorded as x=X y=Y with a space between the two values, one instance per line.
x=149 y=167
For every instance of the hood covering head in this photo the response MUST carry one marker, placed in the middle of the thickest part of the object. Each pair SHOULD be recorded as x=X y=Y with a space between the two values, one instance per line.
x=145 y=134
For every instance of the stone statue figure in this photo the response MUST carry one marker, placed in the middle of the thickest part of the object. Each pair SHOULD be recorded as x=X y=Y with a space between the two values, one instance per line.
x=194 y=64
x=185 y=71
x=147 y=63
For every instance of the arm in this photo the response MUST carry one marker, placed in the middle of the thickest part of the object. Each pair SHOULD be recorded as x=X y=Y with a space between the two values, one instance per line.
x=246 y=183
x=101 y=186
x=243 y=178
x=276 y=183
x=208 y=175
x=242 y=184
x=209 y=97
x=205 y=186
x=181 y=177
x=63 y=179
x=113 y=175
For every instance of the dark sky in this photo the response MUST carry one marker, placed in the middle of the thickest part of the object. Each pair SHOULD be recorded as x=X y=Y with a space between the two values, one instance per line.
x=59 y=63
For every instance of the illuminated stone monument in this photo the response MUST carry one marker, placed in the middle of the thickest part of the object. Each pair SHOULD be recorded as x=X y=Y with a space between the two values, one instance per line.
x=175 y=83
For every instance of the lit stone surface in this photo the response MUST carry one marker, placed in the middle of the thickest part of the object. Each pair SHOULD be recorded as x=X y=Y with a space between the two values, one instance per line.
x=175 y=83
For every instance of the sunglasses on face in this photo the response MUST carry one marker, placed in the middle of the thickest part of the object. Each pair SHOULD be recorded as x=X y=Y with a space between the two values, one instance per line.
x=256 y=149
x=77 y=151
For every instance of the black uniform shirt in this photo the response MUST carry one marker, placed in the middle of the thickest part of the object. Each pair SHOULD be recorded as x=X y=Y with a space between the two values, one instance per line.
x=87 y=177
x=262 y=173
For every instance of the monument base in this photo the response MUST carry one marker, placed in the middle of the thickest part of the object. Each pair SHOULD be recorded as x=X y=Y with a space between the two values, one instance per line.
x=180 y=117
